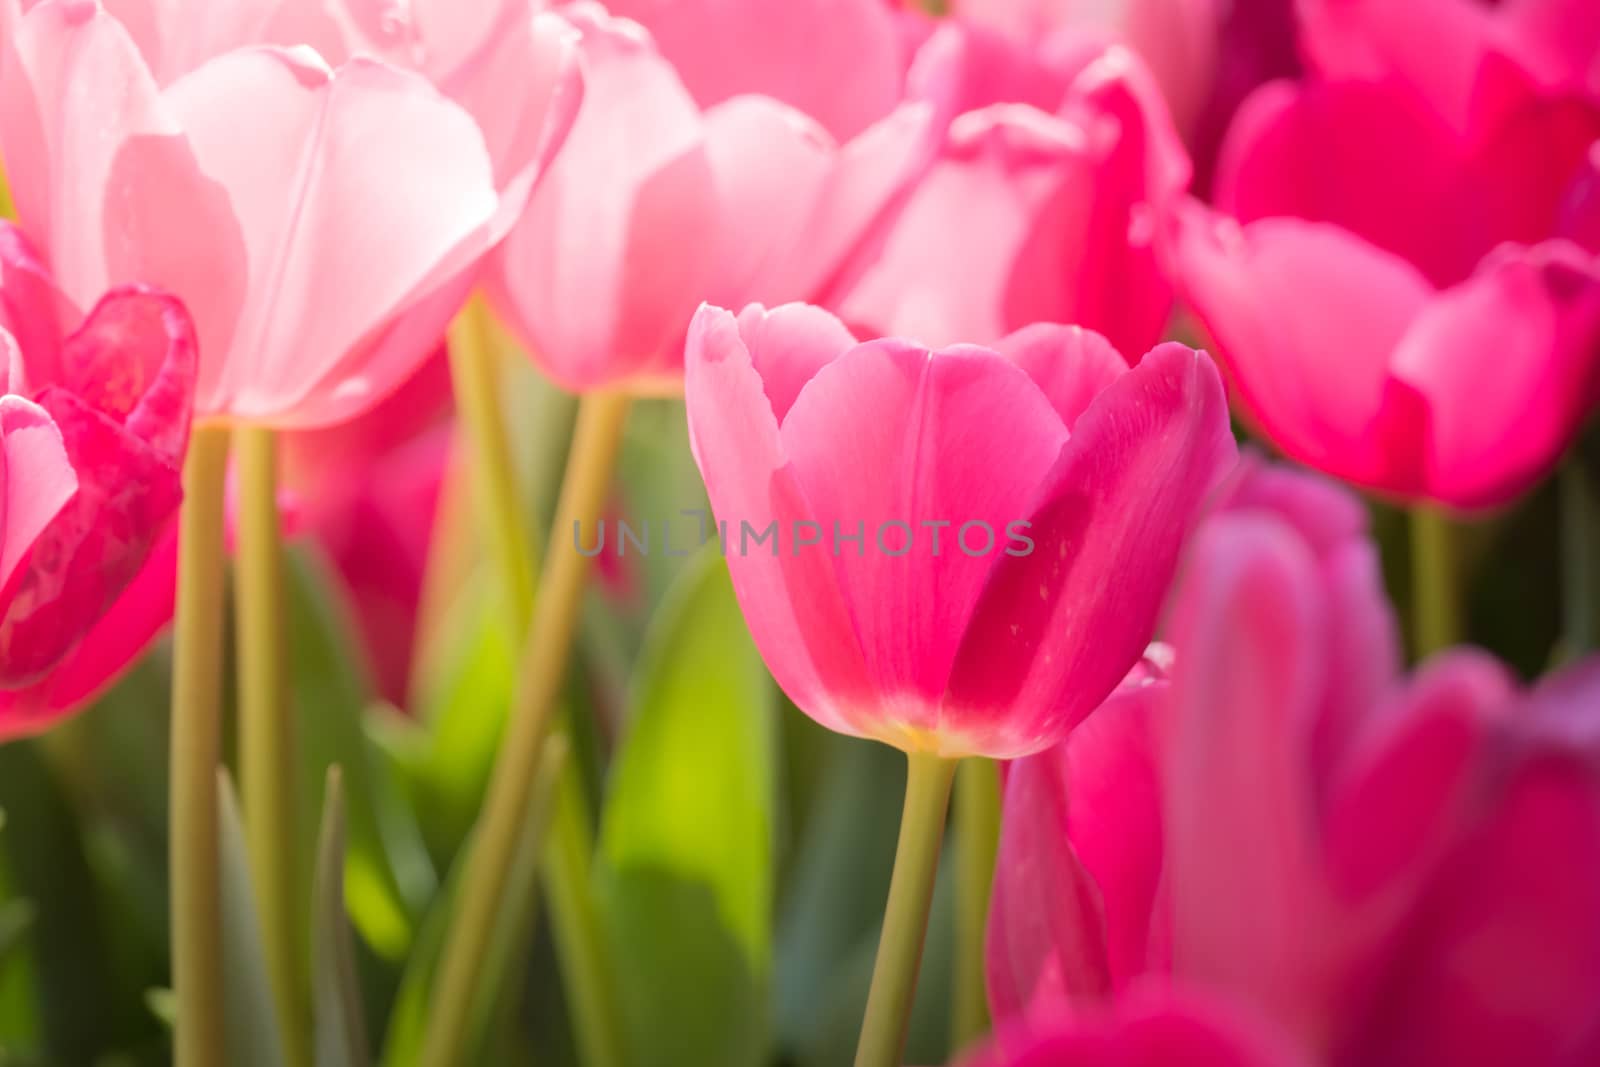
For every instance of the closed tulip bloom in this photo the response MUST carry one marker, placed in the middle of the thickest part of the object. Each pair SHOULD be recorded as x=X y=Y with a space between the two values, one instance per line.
x=1392 y=869
x=93 y=429
x=967 y=546
x=1031 y=215
x=128 y=162
x=1446 y=190
x=691 y=176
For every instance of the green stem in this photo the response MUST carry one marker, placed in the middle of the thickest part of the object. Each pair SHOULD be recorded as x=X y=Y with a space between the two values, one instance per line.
x=905 y=919
x=596 y=442
x=196 y=743
x=977 y=838
x=266 y=736
x=473 y=375
x=1579 y=567
x=1435 y=582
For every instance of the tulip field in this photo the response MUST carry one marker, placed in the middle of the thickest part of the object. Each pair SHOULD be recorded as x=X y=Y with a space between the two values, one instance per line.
x=797 y=533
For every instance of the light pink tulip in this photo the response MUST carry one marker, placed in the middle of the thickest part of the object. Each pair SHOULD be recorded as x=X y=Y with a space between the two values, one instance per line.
x=1086 y=474
x=1030 y=215
x=656 y=202
x=1394 y=870
x=1441 y=182
x=1157 y=1028
x=363 y=181
x=93 y=429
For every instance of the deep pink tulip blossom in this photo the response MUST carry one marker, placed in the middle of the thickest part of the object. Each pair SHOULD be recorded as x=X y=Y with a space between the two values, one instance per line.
x=1402 y=282
x=967 y=546
x=696 y=171
x=321 y=245
x=1394 y=870
x=1044 y=204
x=1154 y=1028
x=93 y=428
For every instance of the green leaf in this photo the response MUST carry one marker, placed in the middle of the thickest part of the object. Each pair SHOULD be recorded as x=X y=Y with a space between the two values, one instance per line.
x=685 y=870
x=341 y=1039
x=72 y=979
x=252 y=1034
x=388 y=874
x=513 y=930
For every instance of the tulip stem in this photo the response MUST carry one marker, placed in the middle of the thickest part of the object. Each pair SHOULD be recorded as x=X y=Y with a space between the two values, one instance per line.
x=596 y=442
x=1435 y=582
x=473 y=375
x=266 y=736
x=905 y=919
x=977 y=838
x=1579 y=568
x=196 y=744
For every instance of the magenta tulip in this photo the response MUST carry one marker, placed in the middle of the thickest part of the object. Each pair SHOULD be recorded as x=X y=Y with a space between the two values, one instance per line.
x=128 y=162
x=672 y=190
x=967 y=547
x=93 y=429
x=1157 y=1028
x=1442 y=184
x=1044 y=204
x=1394 y=870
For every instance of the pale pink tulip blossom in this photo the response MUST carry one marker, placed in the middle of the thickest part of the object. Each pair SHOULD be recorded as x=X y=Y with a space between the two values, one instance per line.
x=699 y=171
x=323 y=242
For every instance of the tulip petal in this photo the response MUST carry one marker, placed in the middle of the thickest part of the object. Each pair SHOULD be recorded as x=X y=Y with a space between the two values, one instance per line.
x=1071 y=364
x=791 y=601
x=1394 y=802
x=1240 y=811
x=910 y=600
x=328 y=139
x=770 y=164
x=1509 y=364
x=1046 y=938
x=92 y=155
x=1158 y=1027
x=788 y=346
x=1281 y=297
x=839 y=61
x=1058 y=628
x=1012 y=182
x=133 y=360
x=580 y=278
x=114 y=643
x=36 y=481
x=1503 y=962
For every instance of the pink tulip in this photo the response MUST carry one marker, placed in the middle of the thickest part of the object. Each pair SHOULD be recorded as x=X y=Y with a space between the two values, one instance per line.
x=1443 y=184
x=1031 y=215
x=1059 y=482
x=363 y=181
x=671 y=190
x=93 y=429
x=1157 y=1028
x=1395 y=870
